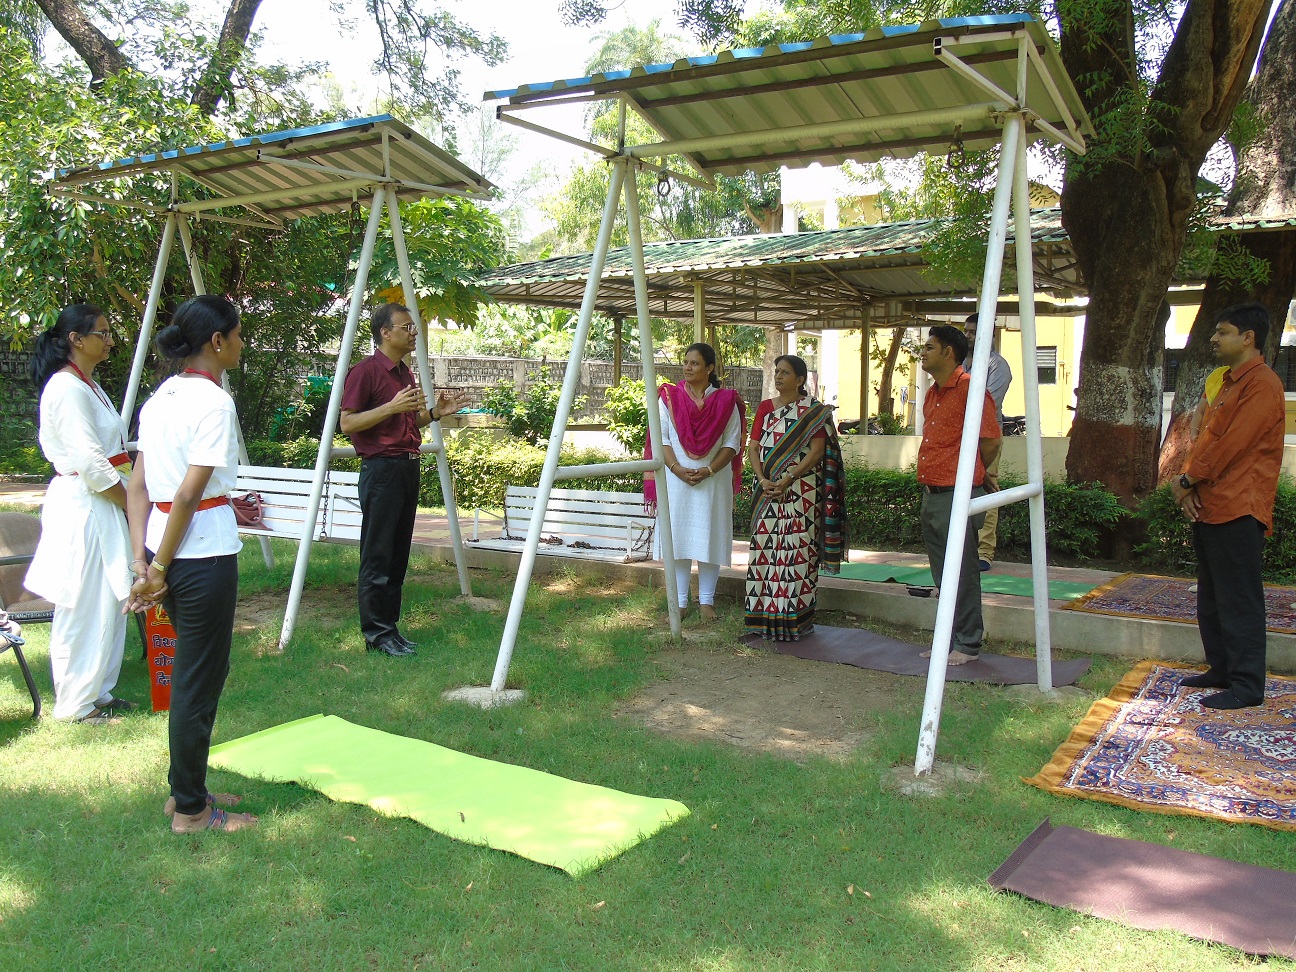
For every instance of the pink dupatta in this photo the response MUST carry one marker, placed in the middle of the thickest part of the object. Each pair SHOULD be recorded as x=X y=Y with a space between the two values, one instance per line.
x=699 y=429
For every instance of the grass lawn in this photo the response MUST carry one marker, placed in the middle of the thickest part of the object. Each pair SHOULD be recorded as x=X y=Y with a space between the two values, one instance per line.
x=781 y=866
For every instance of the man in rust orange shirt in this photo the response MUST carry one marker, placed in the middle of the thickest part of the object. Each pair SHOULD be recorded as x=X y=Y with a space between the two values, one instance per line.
x=1227 y=490
x=943 y=411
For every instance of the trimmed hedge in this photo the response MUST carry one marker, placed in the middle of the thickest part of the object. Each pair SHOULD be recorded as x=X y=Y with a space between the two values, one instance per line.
x=882 y=504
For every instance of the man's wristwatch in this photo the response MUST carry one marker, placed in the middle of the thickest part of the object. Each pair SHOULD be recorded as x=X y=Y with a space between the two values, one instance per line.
x=1184 y=482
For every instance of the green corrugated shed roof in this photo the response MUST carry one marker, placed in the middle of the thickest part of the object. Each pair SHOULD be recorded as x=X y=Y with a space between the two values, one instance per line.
x=818 y=279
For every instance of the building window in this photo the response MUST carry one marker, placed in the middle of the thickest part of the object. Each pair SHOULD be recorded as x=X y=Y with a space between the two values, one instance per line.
x=1046 y=365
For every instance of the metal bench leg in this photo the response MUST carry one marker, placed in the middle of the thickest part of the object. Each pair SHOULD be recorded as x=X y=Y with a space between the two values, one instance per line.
x=27 y=677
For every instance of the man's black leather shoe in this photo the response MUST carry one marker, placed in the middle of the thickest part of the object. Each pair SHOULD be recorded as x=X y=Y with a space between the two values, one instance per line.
x=388 y=646
x=405 y=642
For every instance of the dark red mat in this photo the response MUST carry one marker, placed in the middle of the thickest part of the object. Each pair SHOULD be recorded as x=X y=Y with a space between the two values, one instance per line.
x=1149 y=886
x=865 y=649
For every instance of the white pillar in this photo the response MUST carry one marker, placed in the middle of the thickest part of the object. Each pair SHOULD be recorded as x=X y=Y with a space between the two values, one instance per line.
x=150 y=318
x=959 y=525
x=549 y=473
x=425 y=379
x=1034 y=442
x=651 y=400
x=325 y=454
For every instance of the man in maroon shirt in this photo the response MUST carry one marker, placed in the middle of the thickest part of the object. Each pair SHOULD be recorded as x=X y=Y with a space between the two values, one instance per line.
x=943 y=411
x=1227 y=490
x=383 y=411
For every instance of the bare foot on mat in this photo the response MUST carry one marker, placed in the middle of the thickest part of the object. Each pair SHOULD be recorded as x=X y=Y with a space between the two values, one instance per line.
x=956 y=657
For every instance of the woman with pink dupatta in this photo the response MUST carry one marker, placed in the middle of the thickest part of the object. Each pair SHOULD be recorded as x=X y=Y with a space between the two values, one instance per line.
x=702 y=430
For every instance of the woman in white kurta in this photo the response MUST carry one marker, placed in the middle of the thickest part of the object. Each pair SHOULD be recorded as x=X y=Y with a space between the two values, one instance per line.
x=82 y=563
x=702 y=430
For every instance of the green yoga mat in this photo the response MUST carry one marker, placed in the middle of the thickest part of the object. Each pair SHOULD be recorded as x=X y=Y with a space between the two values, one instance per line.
x=997 y=583
x=569 y=825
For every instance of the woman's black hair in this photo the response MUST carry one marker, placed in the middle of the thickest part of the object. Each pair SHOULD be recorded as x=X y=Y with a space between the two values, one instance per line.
x=53 y=347
x=799 y=368
x=193 y=324
x=709 y=356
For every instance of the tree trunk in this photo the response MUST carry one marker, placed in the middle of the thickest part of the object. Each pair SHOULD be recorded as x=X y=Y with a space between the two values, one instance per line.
x=214 y=87
x=91 y=44
x=886 y=402
x=1265 y=185
x=1128 y=219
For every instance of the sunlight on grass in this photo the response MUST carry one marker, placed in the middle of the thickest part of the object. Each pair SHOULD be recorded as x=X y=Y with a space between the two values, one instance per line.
x=755 y=880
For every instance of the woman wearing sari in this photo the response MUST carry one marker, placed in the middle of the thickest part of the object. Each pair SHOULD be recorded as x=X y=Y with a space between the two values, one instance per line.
x=702 y=430
x=798 y=514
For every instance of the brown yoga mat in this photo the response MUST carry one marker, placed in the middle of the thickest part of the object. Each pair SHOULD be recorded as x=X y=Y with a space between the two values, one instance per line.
x=1149 y=886
x=865 y=649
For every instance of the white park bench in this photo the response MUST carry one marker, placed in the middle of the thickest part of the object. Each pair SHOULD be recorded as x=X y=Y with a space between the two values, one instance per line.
x=578 y=523
x=284 y=496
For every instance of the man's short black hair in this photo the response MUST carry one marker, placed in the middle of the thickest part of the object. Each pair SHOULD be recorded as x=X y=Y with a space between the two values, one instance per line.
x=951 y=337
x=972 y=319
x=1247 y=317
x=382 y=318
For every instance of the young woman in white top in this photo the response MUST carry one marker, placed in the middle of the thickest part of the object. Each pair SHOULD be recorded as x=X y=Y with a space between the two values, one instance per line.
x=82 y=563
x=183 y=527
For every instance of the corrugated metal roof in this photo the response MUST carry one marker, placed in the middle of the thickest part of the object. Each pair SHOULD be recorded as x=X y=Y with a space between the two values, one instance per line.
x=307 y=170
x=822 y=279
x=866 y=91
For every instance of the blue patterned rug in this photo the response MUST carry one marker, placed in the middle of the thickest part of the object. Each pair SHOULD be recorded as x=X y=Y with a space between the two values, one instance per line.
x=1151 y=745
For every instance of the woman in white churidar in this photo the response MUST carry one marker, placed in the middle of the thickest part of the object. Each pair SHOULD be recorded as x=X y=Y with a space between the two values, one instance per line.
x=702 y=429
x=82 y=563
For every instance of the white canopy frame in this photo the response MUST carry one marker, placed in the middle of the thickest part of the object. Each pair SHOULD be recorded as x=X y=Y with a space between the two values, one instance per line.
x=383 y=161
x=1042 y=99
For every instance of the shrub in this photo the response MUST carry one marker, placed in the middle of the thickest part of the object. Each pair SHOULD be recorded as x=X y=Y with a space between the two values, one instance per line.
x=529 y=417
x=297 y=454
x=486 y=464
x=1168 y=545
x=627 y=418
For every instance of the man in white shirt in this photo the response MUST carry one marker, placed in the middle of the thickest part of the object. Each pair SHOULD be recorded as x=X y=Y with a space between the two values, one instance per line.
x=998 y=378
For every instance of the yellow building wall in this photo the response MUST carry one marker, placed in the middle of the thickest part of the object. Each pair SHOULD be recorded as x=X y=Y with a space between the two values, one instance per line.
x=1055 y=417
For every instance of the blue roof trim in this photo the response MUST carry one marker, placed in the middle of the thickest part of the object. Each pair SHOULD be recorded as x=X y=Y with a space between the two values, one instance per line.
x=745 y=53
x=266 y=138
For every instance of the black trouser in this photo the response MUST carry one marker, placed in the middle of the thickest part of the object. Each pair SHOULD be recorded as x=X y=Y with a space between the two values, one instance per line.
x=1230 y=603
x=201 y=597
x=389 y=491
x=969 y=628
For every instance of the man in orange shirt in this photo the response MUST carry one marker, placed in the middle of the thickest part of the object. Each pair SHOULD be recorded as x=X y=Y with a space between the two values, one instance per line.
x=1227 y=490
x=943 y=411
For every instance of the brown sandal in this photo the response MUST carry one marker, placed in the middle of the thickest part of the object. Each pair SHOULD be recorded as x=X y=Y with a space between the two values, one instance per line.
x=213 y=800
x=221 y=820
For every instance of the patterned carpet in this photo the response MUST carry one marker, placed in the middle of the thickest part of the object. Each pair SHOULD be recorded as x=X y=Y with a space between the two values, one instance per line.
x=1150 y=745
x=1175 y=599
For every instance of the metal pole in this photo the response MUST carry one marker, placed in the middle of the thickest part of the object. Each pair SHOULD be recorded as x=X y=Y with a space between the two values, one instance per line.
x=699 y=305
x=331 y=419
x=425 y=378
x=958 y=525
x=651 y=401
x=548 y=473
x=150 y=317
x=200 y=288
x=1034 y=443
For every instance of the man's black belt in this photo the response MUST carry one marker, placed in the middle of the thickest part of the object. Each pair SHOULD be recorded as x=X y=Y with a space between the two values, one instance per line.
x=397 y=455
x=937 y=489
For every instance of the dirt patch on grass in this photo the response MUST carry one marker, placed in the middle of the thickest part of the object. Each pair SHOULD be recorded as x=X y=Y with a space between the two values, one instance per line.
x=756 y=699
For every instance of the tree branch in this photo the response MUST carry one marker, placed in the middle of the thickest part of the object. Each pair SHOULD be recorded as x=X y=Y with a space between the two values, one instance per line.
x=214 y=86
x=99 y=53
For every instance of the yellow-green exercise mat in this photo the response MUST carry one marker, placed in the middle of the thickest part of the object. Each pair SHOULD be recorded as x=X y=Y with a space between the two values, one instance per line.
x=569 y=825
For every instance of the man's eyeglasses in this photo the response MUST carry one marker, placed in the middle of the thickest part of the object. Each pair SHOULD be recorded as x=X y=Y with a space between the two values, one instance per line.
x=411 y=328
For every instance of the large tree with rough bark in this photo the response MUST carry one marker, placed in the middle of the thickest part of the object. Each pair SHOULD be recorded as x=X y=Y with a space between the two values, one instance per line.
x=1160 y=82
x=1259 y=266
